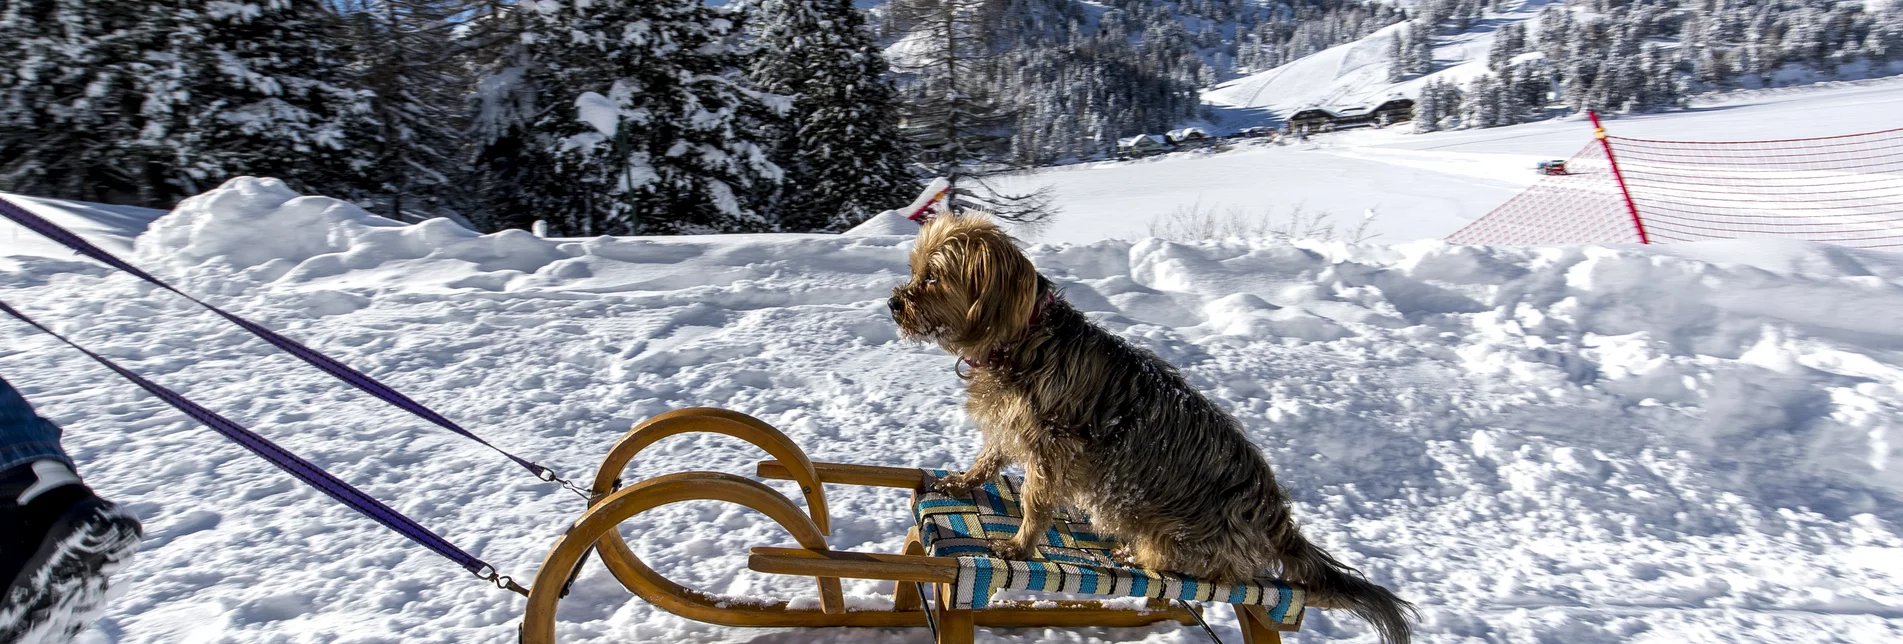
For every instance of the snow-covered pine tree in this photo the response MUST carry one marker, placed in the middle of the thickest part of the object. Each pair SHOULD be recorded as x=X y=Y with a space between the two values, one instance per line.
x=69 y=97
x=1508 y=41
x=1482 y=108
x=646 y=112
x=1080 y=99
x=1398 y=50
x=952 y=112
x=839 y=143
x=408 y=57
x=956 y=112
x=1556 y=25
x=1465 y=12
x=1714 y=66
x=1427 y=108
x=147 y=102
x=1452 y=103
x=512 y=175
x=1421 y=38
x=257 y=89
x=1529 y=82
x=1660 y=84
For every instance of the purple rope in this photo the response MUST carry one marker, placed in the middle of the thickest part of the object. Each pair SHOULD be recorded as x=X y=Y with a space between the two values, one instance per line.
x=298 y=467
x=342 y=372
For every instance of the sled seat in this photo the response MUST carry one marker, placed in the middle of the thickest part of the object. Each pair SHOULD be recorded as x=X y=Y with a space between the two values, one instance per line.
x=1073 y=556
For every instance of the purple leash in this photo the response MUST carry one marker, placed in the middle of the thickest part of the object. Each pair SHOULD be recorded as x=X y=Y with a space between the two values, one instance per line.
x=341 y=371
x=296 y=466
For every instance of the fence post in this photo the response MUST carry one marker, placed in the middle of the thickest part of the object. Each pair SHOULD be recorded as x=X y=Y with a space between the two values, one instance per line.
x=1599 y=132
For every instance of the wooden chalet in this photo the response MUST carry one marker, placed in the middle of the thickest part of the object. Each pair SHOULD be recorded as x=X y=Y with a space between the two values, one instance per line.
x=1315 y=119
x=1187 y=135
x=1142 y=144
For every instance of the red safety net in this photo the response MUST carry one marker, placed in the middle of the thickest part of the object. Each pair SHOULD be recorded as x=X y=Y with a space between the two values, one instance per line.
x=1844 y=190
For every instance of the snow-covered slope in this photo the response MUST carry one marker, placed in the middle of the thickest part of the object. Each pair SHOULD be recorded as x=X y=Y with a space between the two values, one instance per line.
x=1695 y=443
x=1426 y=185
x=1356 y=74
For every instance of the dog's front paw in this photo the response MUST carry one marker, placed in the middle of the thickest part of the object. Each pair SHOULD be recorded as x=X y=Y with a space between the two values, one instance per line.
x=1013 y=550
x=955 y=485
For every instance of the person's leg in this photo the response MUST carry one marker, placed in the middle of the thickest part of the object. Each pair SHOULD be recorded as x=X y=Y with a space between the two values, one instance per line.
x=25 y=437
x=58 y=540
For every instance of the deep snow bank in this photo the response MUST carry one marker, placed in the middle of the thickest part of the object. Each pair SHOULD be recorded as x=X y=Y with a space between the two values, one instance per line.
x=1565 y=444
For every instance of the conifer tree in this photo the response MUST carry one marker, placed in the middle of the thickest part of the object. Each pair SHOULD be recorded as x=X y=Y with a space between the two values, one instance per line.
x=148 y=102
x=1427 y=108
x=258 y=89
x=953 y=114
x=1398 y=51
x=644 y=108
x=1508 y=41
x=512 y=178
x=839 y=142
x=69 y=96
x=1482 y=107
x=408 y=59
x=1421 y=38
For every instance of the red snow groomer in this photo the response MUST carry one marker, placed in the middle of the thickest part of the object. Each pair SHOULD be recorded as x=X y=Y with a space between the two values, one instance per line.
x=1555 y=166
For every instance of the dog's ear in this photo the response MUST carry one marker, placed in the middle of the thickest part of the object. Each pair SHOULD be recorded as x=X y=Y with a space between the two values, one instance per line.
x=1001 y=283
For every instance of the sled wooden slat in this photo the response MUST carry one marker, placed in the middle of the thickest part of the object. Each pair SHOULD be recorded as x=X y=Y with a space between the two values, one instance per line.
x=855 y=565
x=847 y=474
x=954 y=625
x=905 y=595
x=1257 y=628
x=1075 y=612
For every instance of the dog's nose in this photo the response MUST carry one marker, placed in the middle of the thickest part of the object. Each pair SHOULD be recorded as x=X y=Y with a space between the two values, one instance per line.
x=896 y=304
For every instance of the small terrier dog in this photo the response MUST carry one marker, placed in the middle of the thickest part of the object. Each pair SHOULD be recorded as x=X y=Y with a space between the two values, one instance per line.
x=1107 y=427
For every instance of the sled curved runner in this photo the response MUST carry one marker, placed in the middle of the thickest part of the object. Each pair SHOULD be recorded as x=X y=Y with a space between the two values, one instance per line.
x=956 y=609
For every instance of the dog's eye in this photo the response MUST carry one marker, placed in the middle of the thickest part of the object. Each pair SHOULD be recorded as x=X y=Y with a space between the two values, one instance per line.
x=929 y=280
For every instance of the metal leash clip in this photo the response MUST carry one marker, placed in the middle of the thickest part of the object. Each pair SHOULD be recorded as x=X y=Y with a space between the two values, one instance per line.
x=502 y=581
x=548 y=475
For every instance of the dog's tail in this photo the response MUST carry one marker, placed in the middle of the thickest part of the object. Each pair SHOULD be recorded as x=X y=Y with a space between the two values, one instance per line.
x=1338 y=585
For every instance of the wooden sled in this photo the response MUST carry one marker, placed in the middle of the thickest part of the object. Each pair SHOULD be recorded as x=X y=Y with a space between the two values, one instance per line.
x=959 y=603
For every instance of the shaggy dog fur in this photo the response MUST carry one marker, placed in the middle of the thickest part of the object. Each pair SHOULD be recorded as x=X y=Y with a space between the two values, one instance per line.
x=1108 y=427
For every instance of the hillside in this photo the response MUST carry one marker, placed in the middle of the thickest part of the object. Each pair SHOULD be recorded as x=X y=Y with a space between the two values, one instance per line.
x=1476 y=65
x=1356 y=74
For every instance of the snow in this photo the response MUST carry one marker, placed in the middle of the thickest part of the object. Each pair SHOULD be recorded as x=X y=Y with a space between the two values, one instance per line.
x=112 y=227
x=899 y=222
x=1420 y=186
x=1700 y=442
x=598 y=112
x=1355 y=74
x=890 y=222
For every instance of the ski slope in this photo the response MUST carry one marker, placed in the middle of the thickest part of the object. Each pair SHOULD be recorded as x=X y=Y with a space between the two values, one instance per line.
x=1419 y=185
x=1355 y=74
x=1696 y=443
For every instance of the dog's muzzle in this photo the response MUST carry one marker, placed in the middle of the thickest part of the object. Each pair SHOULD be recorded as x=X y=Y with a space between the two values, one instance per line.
x=896 y=304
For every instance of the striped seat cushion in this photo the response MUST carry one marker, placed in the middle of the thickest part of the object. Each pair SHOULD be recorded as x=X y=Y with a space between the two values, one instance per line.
x=1073 y=558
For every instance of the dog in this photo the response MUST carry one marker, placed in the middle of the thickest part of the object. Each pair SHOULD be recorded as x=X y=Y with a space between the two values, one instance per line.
x=1108 y=427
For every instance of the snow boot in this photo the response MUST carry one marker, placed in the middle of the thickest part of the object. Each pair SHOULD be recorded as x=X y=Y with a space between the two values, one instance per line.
x=58 y=544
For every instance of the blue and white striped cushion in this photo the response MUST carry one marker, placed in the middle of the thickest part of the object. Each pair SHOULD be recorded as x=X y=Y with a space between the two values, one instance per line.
x=1073 y=557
